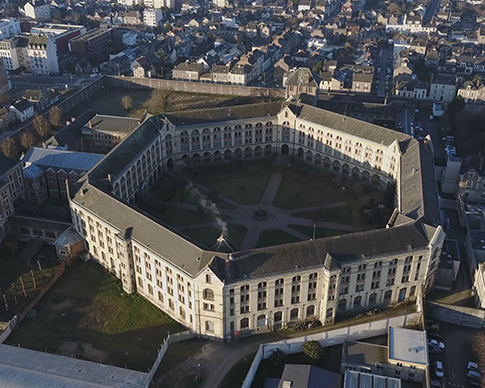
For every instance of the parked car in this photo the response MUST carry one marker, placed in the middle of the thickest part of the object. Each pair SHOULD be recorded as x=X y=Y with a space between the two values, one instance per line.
x=434 y=349
x=449 y=138
x=435 y=384
x=438 y=369
x=434 y=342
x=473 y=366
x=473 y=375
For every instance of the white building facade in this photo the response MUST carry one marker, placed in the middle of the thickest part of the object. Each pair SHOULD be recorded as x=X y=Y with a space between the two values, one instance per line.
x=222 y=295
x=42 y=55
x=152 y=17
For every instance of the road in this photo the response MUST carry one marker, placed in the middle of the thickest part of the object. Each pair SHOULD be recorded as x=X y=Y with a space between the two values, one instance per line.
x=385 y=60
x=27 y=80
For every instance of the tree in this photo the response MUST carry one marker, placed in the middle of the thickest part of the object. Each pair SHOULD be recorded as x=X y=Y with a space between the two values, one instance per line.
x=457 y=105
x=27 y=139
x=394 y=9
x=4 y=98
x=8 y=147
x=277 y=358
x=55 y=116
x=478 y=347
x=127 y=102
x=313 y=349
x=159 y=102
x=41 y=125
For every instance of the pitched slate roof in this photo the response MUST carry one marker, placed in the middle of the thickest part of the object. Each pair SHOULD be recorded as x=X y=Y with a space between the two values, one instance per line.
x=214 y=115
x=347 y=124
x=343 y=249
x=114 y=123
x=152 y=234
x=71 y=134
x=67 y=160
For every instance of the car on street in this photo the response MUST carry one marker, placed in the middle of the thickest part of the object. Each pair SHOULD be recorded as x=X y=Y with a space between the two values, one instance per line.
x=434 y=342
x=438 y=369
x=473 y=366
x=434 y=335
x=435 y=384
x=473 y=375
x=434 y=349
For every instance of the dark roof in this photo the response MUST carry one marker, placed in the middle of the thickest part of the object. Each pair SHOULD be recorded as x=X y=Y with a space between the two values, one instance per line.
x=70 y=134
x=214 y=115
x=117 y=159
x=153 y=235
x=308 y=376
x=363 y=354
x=347 y=124
x=342 y=249
x=22 y=105
x=474 y=162
x=6 y=164
x=114 y=123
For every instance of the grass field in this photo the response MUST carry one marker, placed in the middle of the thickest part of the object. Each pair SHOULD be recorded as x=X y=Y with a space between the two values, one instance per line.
x=86 y=314
x=208 y=236
x=109 y=103
x=275 y=237
x=242 y=182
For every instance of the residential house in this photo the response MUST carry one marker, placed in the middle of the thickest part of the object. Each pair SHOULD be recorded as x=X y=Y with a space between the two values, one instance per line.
x=472 y=92
x=443 y=88
x=187 y=71
x=14 y=53
x=133 y=18
x=42 y=99
x=152 y=17
x=9 y=27
x=23 y=110
x=142 y=68
x=302 y=81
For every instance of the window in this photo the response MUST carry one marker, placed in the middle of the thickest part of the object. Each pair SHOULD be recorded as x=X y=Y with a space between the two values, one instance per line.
x=342 y=304
x=388 y=295
x=358 y=301
x=296 y=279
x=244 y=309
x=373 y=298
x=262 y=285
x=244 y=323
x=295 y=299
x=208 y=294
x=329 y=313
x=262 y=306
x=245 y=288
x=294 y=314
x=310 y=310
x=209 y=326
x=313 y=276
x=208 y=306
x=208 y=278
x=261 y=320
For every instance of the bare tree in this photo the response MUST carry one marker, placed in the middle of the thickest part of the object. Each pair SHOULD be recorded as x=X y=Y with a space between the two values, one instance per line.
x=478 y=347
x=27 y=139
x=55 y=116
x=41 y=125
x=127 y=102
x=8 y=147
x=160 y=100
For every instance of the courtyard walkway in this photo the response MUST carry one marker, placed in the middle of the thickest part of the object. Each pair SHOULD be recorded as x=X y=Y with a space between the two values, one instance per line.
x=277 y=218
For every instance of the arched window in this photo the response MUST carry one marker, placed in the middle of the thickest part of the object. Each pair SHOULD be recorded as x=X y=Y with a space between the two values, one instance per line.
x=244 y=323
x=261 y=321
x=209 y=326
x=388 y=295
x=412 y=291
x=358 y=301
x=294 y=313
x=278 y=316
x=372 y=298
x=329 y=313
x=310 y=310
x=208 y=294
x=342 y=304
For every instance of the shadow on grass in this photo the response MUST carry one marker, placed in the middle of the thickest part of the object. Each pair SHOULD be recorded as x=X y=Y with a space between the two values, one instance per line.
x=87 y=315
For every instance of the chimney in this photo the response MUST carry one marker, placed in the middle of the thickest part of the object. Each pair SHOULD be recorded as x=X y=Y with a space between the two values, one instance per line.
x=90 y=124
x=73 y=119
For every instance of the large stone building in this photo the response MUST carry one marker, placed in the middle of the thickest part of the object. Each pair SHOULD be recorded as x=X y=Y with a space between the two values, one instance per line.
x=221 y=295
x=11 y=188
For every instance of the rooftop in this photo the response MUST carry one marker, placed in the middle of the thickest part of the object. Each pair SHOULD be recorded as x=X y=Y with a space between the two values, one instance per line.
x=364 y=354
x=409 y=346
x=68 y=160
x=477 y=238
x=89 y=35
x=21 y=368
x=355 y=379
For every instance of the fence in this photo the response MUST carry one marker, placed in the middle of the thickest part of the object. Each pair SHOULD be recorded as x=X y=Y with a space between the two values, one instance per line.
x=463 y=316
x=171 y=339
x=330 y=338
x=192 y=87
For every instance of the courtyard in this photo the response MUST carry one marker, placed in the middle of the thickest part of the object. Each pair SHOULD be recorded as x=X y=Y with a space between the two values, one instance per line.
x=258 y=203
x=87 y=315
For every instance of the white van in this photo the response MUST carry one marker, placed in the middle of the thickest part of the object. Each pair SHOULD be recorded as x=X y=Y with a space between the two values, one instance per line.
x=472 y=365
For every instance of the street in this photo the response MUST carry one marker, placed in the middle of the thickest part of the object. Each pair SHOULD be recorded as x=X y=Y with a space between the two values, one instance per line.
x=386 y=60
x=431 y=10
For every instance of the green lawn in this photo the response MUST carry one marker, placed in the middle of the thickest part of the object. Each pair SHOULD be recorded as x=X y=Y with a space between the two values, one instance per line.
x=242 y=182
x=209 y=235
x=275 y=237
x=319 y=232
x=341 y=215
x=87 y=314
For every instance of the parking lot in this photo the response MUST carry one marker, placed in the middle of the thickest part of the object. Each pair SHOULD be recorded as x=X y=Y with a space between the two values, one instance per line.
x=455 y=355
